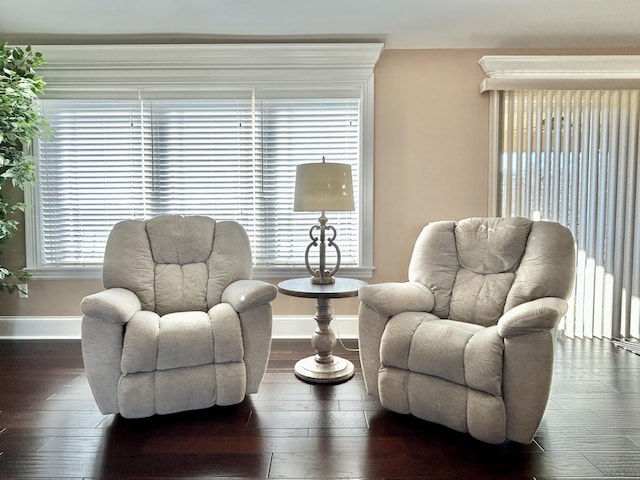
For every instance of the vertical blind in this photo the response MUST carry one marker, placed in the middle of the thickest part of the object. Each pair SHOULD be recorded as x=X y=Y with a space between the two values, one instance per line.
x=572 y=157
x=231 y=159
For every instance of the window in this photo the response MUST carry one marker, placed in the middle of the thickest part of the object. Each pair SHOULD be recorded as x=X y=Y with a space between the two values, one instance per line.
x=229 y=152
x=571 y=156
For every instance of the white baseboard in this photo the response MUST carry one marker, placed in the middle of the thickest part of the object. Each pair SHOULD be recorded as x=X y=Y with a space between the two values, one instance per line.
x=39 y=328
x=294 y=326
x=60 y=328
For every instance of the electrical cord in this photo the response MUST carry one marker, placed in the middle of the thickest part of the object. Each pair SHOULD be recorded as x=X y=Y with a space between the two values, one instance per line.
x=337 y=329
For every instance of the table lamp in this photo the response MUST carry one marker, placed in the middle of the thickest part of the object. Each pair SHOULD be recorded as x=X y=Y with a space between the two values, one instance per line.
x=323 y=187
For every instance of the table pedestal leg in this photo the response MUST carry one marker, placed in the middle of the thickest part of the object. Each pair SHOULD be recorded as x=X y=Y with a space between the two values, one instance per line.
x=324 y=367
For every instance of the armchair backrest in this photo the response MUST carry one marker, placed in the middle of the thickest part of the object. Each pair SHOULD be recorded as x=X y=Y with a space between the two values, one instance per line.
x=176 y=263
x=478 y=268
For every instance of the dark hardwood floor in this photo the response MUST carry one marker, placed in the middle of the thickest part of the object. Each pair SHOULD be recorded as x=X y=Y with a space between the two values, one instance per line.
x=50 y=427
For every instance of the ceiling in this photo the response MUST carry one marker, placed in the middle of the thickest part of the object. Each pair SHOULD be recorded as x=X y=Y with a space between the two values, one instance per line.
x=399 y=24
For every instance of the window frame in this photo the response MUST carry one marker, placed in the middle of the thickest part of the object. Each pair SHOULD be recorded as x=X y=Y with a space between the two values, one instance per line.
x=106 y=71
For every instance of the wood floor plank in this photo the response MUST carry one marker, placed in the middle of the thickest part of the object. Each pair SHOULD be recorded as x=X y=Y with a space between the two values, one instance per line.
x=349 y=465
x=13 y=443
x=309 y=419
x=42 y=465
x=620 y=464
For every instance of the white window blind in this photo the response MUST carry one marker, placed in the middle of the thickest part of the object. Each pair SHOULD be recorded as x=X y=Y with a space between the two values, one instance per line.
x=227 y=158
x=293 y=131
x=90 y=175
x=572 y=156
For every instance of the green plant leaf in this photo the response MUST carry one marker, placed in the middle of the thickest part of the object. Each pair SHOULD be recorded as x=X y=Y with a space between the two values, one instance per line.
x=21 y=122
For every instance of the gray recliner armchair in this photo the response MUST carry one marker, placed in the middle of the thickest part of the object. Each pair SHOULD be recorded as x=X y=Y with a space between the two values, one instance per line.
x=180 y=324
x=468 y=341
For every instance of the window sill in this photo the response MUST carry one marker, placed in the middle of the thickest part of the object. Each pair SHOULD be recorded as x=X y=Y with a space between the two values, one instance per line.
x=259 y=273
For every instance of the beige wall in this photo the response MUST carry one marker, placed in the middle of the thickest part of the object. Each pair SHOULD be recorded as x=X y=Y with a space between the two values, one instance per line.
x=431 y=163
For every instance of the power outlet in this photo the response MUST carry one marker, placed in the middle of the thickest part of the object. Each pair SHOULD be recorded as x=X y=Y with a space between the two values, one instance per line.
x=23 y=290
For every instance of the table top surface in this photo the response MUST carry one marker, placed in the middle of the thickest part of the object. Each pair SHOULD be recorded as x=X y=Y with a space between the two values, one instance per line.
x=302 y=287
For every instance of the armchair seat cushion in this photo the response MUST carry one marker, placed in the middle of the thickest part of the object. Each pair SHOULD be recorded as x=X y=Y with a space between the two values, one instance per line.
x=461 y=353
x=182 y=339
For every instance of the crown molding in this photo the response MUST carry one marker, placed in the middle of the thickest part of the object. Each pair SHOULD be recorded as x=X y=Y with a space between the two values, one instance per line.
x=505 y=72
x=282 y=55
x=70 y=67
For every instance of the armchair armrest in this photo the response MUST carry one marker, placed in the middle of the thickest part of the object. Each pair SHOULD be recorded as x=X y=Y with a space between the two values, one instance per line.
x=534 y=316
x=244 y=295
x=392 y=298
x=117 y=305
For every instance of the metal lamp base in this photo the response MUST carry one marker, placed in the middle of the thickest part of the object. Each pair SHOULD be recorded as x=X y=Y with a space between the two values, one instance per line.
x=322 y=276
x=323 y=280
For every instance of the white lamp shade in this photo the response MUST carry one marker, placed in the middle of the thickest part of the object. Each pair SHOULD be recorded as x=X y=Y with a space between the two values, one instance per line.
x=323 y=187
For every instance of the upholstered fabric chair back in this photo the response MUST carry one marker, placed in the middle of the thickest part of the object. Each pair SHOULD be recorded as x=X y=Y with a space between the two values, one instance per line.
x=479 y=268
x=176 y=263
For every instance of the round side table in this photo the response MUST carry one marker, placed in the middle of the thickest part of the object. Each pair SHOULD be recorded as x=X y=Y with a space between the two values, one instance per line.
x=323 y=367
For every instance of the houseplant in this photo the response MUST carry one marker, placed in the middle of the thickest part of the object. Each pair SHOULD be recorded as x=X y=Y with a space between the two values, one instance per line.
x=20 y=123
